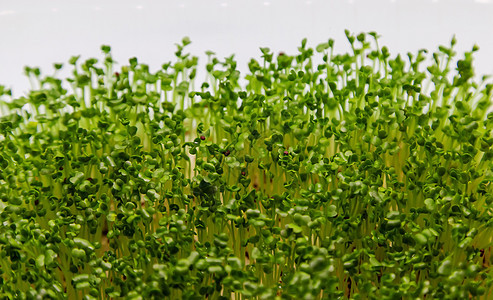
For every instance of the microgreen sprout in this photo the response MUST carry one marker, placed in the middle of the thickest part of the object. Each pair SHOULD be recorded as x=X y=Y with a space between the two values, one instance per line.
x=356 y=175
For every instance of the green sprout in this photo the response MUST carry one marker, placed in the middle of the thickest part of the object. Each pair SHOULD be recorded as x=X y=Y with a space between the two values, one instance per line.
x=360 y=175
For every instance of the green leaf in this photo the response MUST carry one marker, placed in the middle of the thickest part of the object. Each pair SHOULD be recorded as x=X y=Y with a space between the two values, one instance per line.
x=78 y=253
x=321 y=47
x=83 y=243
x=374 y=262
x=430 y=204
x=40 y=261
x=77 y=178
x=420 y=239
x=445 y=267
x=295 y=228
x=331 y=211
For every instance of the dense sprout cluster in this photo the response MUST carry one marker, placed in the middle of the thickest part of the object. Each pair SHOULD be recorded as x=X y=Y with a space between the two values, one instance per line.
x=315 y=175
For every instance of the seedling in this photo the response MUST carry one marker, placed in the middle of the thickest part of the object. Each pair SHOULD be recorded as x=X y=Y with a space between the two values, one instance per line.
x=357 y=175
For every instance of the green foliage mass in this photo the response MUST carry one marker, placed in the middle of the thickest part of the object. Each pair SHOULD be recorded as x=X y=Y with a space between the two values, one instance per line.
x=316 y=175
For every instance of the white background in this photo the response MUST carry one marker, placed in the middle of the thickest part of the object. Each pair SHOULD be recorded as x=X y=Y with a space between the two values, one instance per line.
x=41 y=32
